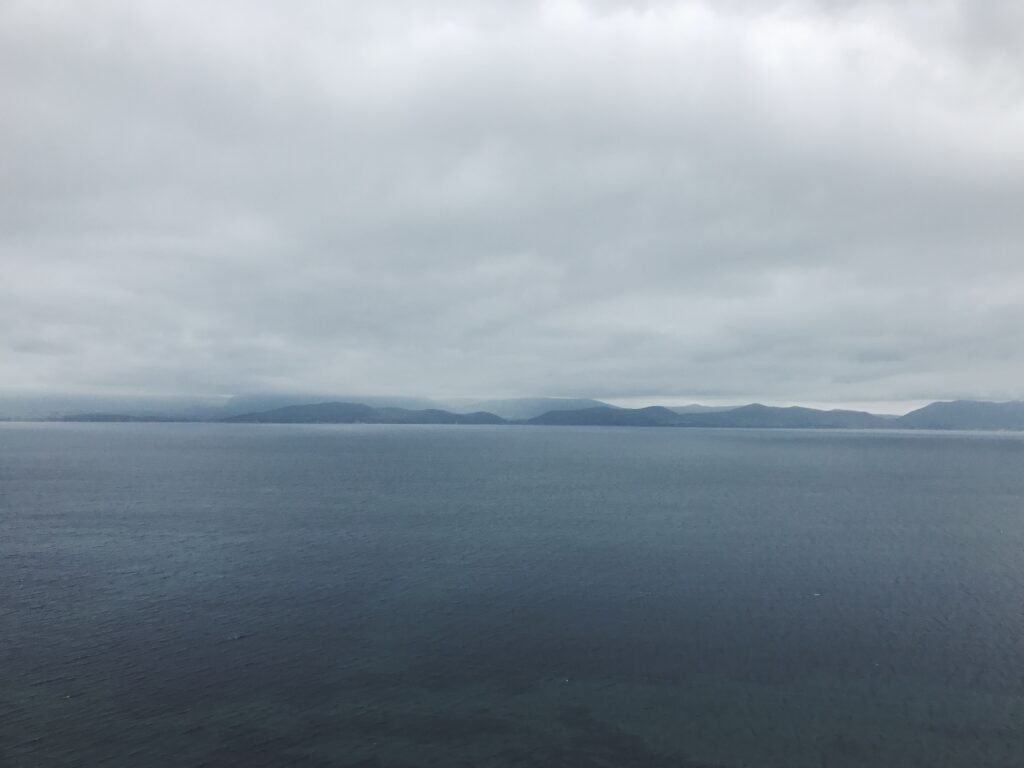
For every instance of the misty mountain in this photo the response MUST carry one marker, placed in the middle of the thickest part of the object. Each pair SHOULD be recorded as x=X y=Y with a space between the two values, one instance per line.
x=359 y=413
x=87 y=407
x=119 y=418
x=754 y=415
x=961 y=414
x=794 y=417
x=245 y=404
x=521 y=408
x=607 y=416
x=511 y=408
x=965 y=414
x=697 y=408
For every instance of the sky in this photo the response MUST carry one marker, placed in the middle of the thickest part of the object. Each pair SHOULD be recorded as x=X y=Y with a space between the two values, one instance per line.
x=801 y=201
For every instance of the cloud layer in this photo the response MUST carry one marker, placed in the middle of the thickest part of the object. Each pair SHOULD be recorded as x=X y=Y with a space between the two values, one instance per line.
x=804 y=201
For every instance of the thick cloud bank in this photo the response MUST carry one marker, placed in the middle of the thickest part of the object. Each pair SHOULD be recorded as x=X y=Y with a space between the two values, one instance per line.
x=803 y=201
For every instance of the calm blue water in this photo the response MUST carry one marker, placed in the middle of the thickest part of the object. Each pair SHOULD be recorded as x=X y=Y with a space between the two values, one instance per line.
x=214 y=595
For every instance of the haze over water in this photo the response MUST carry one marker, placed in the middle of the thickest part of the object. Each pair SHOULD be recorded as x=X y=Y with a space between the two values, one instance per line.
x=237 y=595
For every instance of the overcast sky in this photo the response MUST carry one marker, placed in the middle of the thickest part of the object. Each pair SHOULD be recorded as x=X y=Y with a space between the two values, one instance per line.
x=804 y=202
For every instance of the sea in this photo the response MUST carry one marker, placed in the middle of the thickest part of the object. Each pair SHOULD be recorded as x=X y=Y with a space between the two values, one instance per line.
x=321 y=596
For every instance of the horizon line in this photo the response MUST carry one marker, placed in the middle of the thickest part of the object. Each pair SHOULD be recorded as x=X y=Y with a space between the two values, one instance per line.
x=881 y=407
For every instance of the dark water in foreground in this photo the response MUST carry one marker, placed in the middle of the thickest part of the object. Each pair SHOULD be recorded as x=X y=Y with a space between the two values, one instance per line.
x=187 y=595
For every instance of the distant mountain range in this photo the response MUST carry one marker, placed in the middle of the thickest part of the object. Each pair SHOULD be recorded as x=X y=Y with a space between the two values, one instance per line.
x=507 y=408
x=129 y=408
x=359 y=413
x=697 y=408
x=965 y=414
x=755 y=415
x=605 y=416
x=517 y=408
x=960 y=415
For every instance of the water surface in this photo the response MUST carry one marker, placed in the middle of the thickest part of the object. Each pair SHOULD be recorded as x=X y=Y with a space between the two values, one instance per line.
x=255 y=595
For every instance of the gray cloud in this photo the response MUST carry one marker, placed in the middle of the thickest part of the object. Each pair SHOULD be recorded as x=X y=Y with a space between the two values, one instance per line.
x=803 y=201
